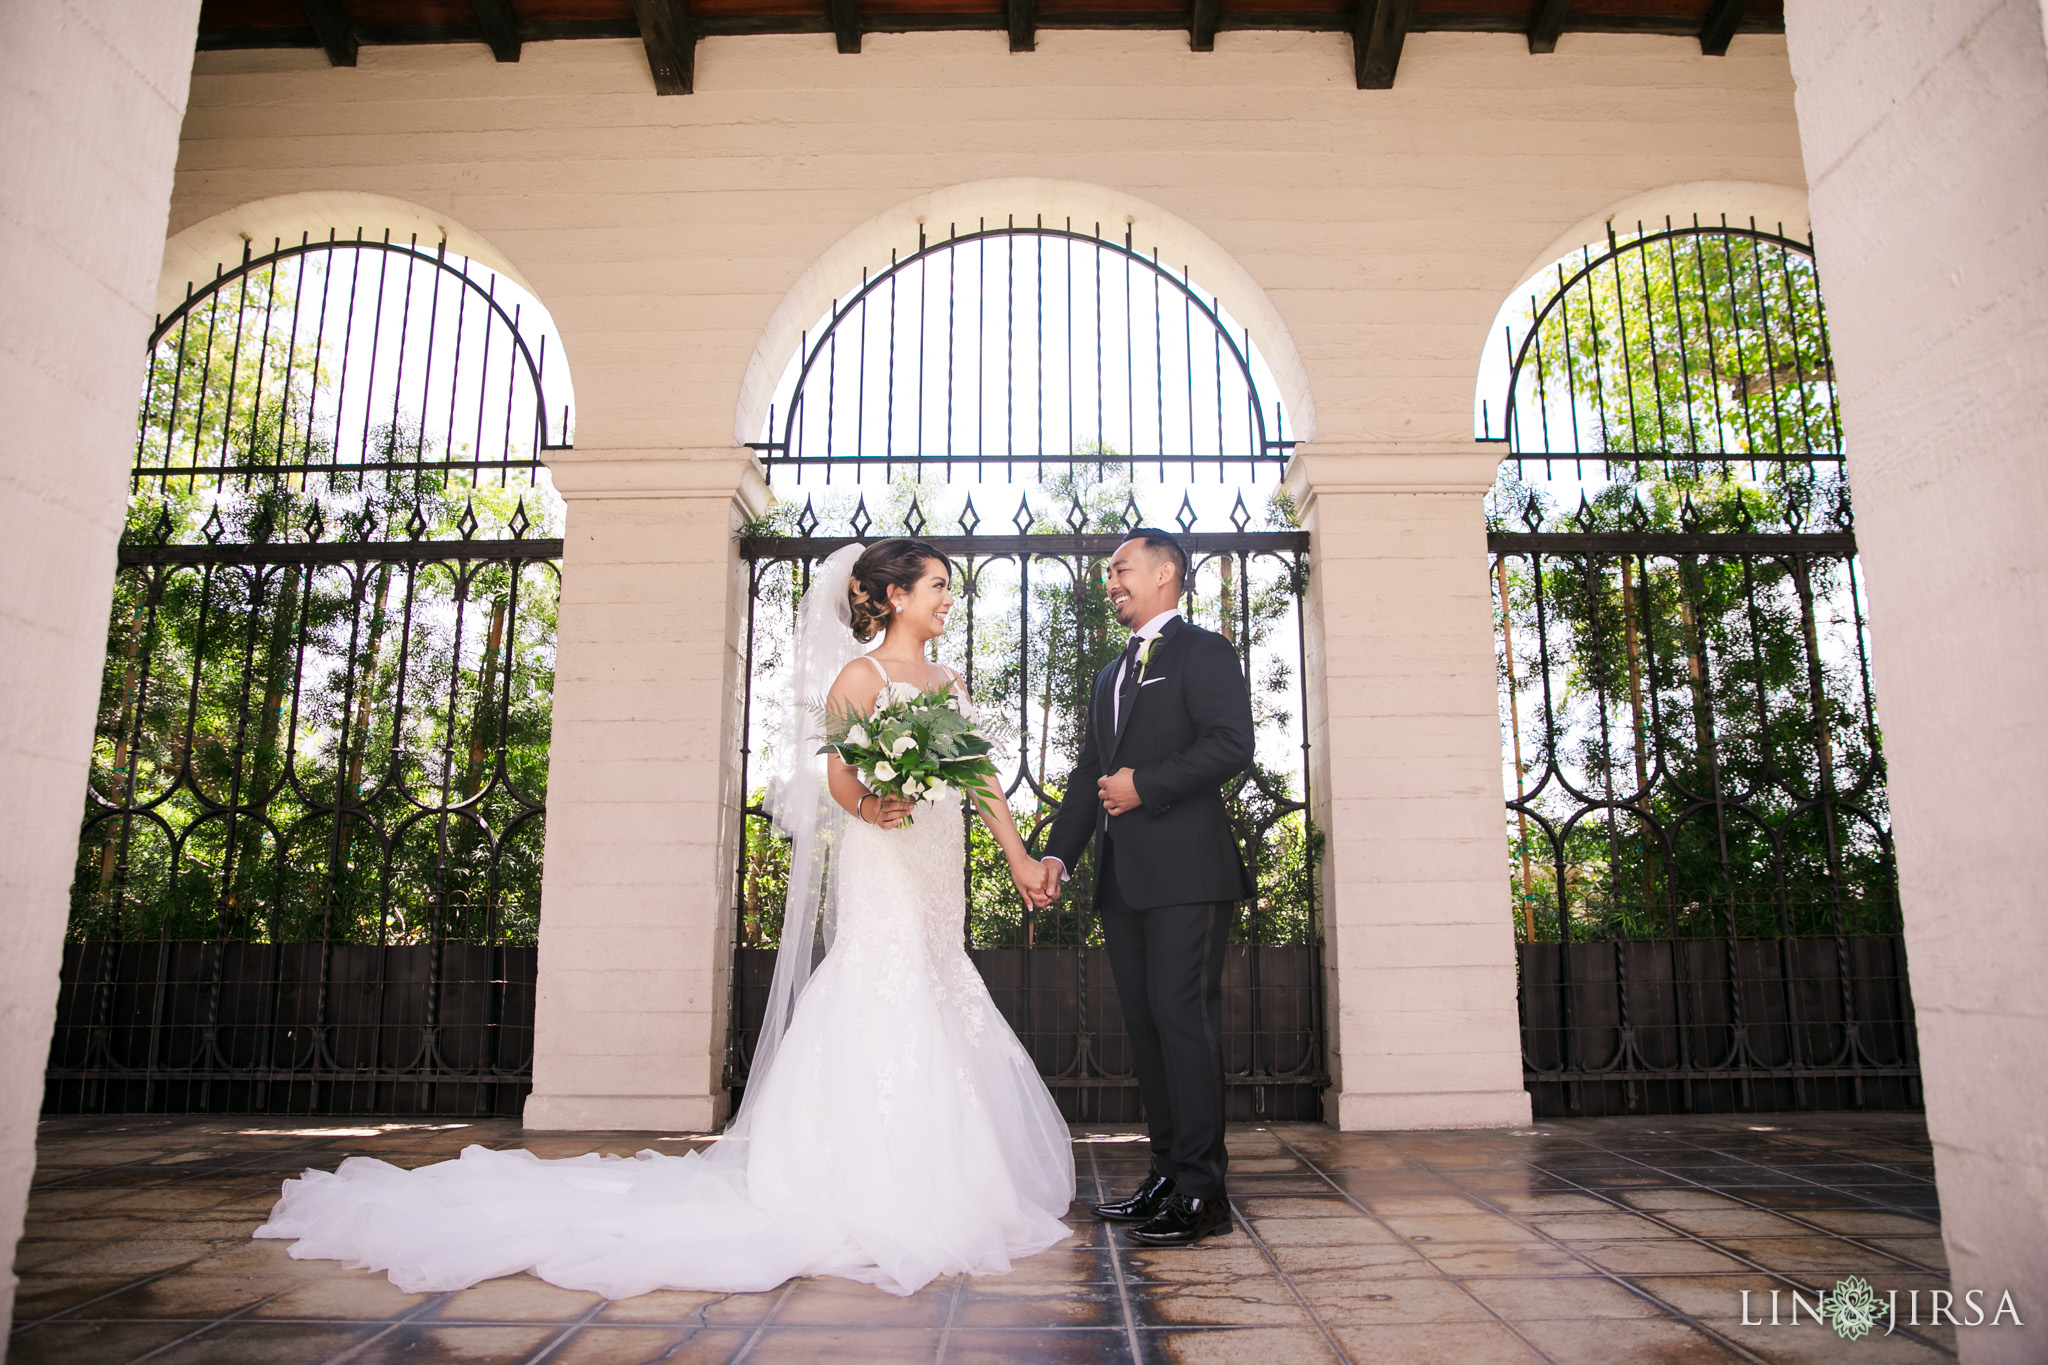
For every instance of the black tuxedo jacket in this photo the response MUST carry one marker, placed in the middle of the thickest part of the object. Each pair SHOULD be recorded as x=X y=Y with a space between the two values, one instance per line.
x=1187 y=734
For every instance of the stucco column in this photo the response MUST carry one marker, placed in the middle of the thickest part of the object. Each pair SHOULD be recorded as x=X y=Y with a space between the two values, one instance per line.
x=91 y=98
x=636 y=898
x=1404 y=738
x=1925 y=129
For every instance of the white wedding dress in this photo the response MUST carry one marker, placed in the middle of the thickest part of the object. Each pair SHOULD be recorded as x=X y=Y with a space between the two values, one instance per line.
x=900 y=1133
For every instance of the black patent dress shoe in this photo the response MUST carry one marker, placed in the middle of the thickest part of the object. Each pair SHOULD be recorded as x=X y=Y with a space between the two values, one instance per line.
x=1141 y=1207
x=1184 y=1221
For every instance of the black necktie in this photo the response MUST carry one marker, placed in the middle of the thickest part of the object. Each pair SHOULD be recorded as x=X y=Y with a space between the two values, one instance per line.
x=1127 y=688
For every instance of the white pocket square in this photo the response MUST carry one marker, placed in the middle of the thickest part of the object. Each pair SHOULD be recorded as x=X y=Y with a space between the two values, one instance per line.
x=1149 y=681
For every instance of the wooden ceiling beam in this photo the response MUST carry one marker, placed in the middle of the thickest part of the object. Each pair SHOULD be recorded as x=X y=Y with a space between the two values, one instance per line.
x=501 y=28
x=1379 y=27
x=330 y=23
x=1202 y=21
x=1023 y=18
x=1719 y=29
x=846 y=24
x=671 y=43
x=1546 y=24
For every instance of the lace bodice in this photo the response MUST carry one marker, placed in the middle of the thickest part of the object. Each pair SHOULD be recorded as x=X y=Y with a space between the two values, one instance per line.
x=894 y=691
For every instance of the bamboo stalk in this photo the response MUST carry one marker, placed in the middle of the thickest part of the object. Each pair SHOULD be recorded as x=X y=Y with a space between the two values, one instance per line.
x=487 y=683
x=1639 y=732
x=365 y=689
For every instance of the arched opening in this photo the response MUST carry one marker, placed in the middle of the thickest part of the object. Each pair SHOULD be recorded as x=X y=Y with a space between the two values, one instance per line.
x=309 y=869
x=1700 y=843
x=1022 y=393
x=1026 y=345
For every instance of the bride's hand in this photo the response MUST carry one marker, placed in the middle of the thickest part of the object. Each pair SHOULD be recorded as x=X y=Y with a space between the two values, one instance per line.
x=890 y=811
x=1028 y=874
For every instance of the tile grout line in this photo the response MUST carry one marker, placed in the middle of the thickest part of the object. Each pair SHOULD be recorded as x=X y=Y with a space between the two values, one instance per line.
x=1116 y=1263
x=85 y=1171
x=217 y=1322
x=1853 y=1239
x=184 y=1177
x=1689 y=1182
x=1787 y=1169
x=1346 y=1196
x=567 y=1333
x=31 y=1325
x=1849 y=1237
x=1650 y=1217
x=405 y=1319
x=952 y=1311
x=1288 y=1280
x=1616 y=1277
x=1793 y=1140
x=754 y=1337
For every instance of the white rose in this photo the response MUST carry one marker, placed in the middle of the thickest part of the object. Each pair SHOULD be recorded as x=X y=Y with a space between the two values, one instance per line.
x=902 y=745
x=858 y=737
x=884 y=772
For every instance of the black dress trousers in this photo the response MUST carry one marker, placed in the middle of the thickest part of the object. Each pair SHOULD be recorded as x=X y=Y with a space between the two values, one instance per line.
x=1168 y=964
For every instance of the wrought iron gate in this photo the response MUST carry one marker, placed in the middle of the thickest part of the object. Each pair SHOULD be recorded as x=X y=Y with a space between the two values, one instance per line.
x=309 y=872
x=1077 y=363
x=1699 y=842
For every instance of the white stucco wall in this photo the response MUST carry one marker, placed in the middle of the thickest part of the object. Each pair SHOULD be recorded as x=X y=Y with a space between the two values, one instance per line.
x=1376 y=231
x=90 y=100
x=1926 y=134
x=662 y=233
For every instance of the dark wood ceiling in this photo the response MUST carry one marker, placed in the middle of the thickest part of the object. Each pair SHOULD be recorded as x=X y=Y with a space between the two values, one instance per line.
x=670 y=28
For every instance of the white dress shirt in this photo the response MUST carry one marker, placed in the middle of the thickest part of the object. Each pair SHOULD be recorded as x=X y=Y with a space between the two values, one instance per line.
x=1149 y=631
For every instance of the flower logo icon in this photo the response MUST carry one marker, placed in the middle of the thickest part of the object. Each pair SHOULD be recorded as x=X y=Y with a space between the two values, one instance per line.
x=1852 y=1309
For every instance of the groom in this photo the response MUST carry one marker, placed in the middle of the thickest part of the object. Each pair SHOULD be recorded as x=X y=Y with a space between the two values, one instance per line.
x=1169 y=725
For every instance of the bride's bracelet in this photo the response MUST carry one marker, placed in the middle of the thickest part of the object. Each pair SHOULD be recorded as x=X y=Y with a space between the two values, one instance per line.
x=857 y=805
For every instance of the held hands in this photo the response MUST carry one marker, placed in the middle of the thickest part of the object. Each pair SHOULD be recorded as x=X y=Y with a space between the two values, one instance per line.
x=1119 y=792
x=1037 y=882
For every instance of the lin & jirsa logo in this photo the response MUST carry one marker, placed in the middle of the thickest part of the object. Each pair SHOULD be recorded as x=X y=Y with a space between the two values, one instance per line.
x=1854 y=1308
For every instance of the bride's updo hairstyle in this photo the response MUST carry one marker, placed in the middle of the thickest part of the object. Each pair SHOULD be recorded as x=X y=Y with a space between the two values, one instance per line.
x=886 y=564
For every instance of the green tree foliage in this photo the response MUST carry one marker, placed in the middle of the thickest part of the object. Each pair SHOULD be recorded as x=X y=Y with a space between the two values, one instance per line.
x=1682 y=344
x=287 y=751
x=1698 y=740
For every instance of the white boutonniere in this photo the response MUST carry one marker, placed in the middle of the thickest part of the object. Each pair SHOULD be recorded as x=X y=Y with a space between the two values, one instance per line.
x=1145 y=656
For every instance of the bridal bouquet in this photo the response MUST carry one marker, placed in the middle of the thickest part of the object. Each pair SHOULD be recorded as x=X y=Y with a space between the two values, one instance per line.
x=918 y=745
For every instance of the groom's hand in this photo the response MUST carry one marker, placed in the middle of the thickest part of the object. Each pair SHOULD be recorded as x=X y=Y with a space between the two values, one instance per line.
x=1054 y=873
x=1119 y=791
x=1035 y=881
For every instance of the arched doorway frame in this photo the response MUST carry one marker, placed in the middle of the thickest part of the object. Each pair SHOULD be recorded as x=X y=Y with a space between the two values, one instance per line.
x=1113 y=212
x=1277 y=1066
x=1686 y=687
x=308 y=1011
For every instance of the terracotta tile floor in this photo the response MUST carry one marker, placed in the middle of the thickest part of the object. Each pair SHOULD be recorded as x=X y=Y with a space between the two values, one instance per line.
x=1593 y=1239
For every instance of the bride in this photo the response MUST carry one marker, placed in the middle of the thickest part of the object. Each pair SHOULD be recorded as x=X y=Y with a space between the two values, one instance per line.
x=893 y=1128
